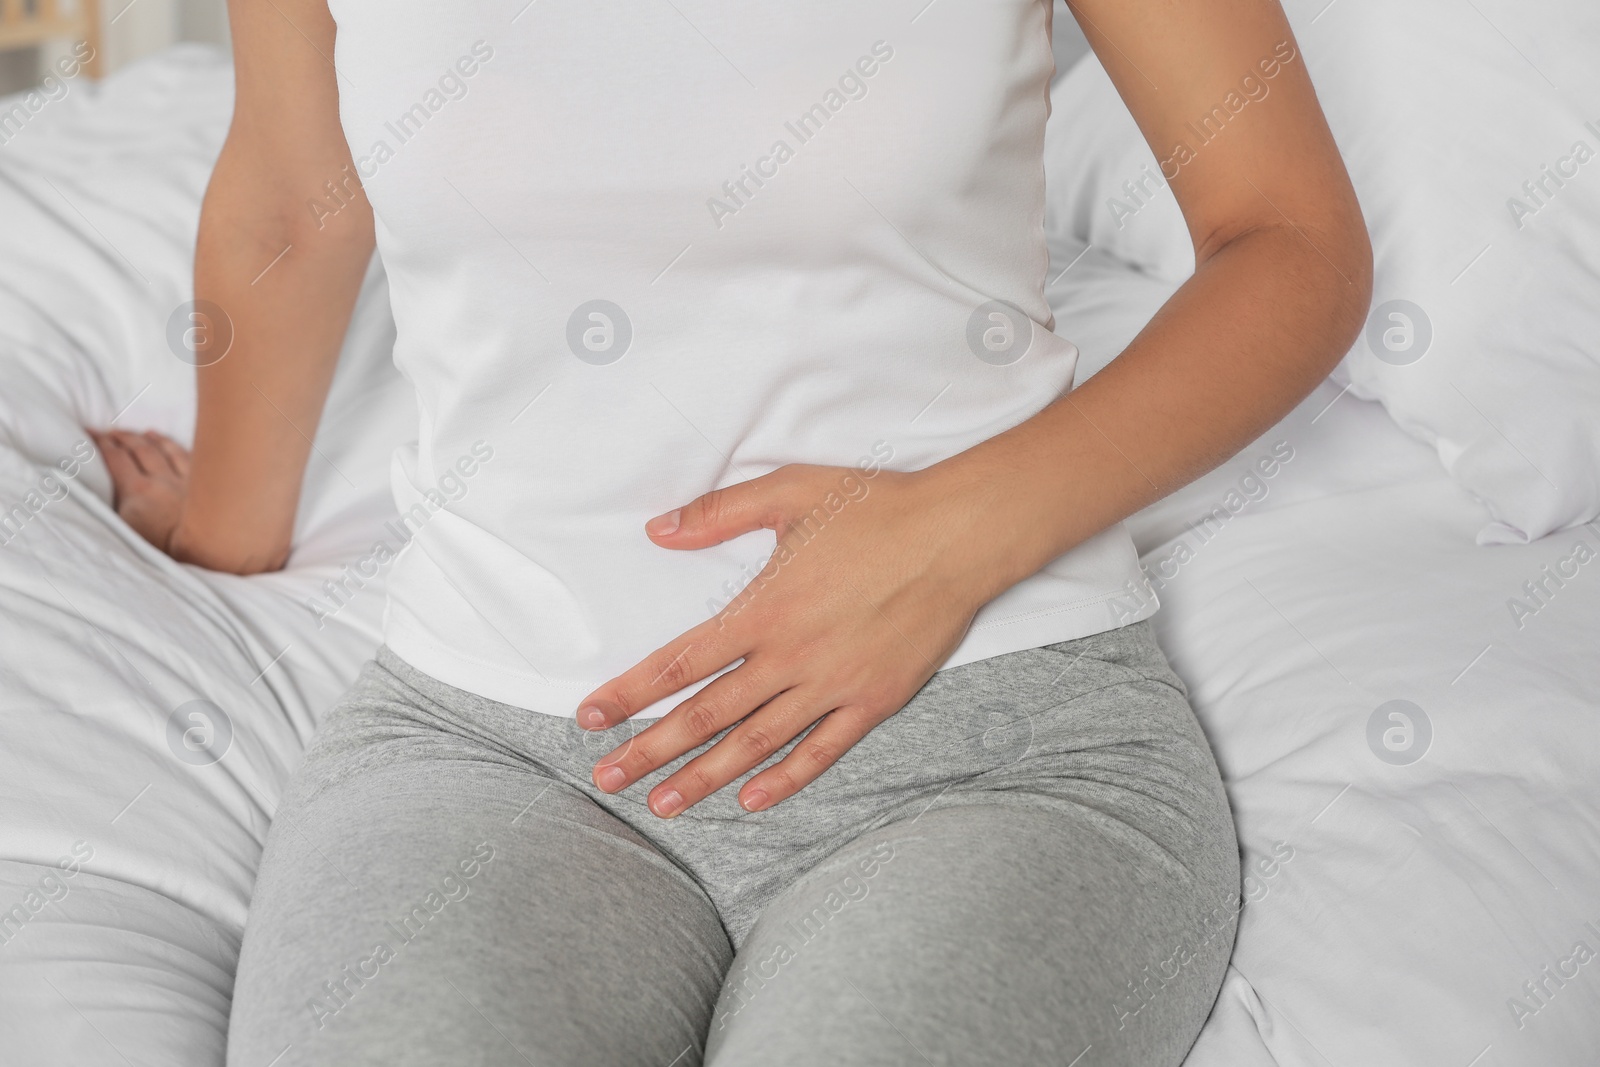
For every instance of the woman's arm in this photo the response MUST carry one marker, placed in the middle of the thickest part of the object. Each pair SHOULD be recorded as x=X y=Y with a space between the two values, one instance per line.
x=1282 y=282
x=853 y=623
x=285 y=279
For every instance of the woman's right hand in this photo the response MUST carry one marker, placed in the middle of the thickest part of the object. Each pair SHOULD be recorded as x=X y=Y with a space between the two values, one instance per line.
x=150 y=475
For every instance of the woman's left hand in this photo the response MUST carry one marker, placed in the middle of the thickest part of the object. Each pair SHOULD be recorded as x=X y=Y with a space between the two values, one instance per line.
x=871 y=585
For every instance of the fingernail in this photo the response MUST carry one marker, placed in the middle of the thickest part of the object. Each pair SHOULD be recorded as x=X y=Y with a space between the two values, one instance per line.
x=591 y=717
x=755 y=800
x=667 y=803
x=611 y=778
x=665 y=524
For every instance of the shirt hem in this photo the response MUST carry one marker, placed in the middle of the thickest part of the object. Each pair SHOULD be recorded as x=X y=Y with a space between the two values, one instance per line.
x=999 y=637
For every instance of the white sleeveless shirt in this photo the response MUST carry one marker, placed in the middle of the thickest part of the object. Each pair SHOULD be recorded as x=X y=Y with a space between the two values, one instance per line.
x=642 y=249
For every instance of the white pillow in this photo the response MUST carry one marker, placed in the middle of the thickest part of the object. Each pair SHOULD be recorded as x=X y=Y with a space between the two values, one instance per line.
x=1484 y=336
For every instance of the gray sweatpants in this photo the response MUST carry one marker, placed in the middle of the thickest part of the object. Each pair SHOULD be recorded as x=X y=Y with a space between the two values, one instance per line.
x=1031 y=863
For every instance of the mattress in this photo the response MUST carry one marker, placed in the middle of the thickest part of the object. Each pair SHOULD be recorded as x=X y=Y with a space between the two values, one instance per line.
x=1421 y=888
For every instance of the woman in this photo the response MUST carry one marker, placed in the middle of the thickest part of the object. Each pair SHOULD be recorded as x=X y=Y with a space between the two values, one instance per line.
x=767 y=676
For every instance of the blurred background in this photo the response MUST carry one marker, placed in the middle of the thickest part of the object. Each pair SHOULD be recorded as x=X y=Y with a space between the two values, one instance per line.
x=129 y=30
x=132 y=29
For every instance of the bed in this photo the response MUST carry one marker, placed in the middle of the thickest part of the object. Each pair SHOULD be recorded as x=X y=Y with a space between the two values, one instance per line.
x=1414 y=769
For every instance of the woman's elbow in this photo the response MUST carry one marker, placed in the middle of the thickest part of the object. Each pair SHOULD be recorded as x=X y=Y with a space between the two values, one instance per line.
x=1353 y=299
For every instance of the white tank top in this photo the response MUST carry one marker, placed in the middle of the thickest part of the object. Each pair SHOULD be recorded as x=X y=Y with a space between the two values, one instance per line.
x=641 y=250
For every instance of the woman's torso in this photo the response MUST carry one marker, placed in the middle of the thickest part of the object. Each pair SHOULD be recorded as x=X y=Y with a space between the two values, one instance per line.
x=639 y=251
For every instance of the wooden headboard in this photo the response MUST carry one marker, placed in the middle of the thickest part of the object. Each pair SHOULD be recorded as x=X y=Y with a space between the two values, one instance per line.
x=28 y=23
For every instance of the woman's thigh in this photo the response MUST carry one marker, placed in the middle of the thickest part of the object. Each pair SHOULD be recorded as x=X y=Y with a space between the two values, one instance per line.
x=1070 y=891
x=995 y=933
x=427 y=899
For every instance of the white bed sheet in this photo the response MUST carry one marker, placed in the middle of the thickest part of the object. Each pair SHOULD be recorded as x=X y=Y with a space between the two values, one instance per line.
x=1418 y=898
x=1421 y=897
